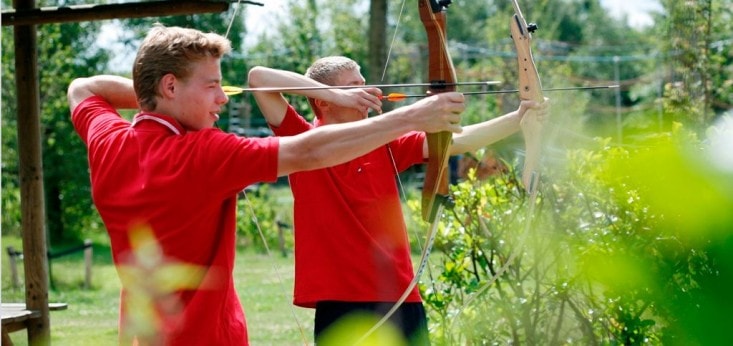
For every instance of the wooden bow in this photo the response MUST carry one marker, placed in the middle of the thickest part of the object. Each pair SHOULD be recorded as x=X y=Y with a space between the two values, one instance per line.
x=530 y=88
x=440 y=72
x=442 y=77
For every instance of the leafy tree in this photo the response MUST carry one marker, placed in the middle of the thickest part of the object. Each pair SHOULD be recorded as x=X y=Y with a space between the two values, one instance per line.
x=698 y=66
x=65 y=51
x=308 y=31
x=68 y=51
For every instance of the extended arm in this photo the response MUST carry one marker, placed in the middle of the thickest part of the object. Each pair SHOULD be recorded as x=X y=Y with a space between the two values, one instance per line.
x=479 y=135
x=273 y=104
x=330 y=145
x=118 y=91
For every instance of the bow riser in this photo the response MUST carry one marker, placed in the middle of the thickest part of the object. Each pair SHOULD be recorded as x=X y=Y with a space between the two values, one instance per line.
x=435 y=188
x=440 y=71
x=529 y=89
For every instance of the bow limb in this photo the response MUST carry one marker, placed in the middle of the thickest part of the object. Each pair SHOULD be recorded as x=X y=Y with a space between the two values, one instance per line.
x=530 y=88
x=442 y=75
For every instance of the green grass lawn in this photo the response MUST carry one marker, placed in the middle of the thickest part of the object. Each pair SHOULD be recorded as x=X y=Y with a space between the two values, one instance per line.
x=264 y=284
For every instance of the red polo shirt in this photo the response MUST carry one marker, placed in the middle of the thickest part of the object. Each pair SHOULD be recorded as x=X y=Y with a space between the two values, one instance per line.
x=350 y=236
x=182 y=186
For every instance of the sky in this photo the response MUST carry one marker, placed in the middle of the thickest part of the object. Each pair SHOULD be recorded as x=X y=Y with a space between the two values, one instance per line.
x=636 y=9
x=637 y=12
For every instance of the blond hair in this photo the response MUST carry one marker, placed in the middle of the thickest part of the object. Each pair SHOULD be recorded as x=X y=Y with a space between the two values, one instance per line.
x=326 y=70
x=171 y=50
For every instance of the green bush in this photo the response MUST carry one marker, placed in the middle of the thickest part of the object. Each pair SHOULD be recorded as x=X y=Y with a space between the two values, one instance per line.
x=264 y=220
x=623 y=246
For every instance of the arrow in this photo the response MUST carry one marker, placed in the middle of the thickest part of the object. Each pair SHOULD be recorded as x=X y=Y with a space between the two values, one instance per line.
x=233 y=90
x=397 y=97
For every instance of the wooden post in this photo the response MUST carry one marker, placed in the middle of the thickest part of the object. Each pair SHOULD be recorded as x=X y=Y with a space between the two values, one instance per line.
x=13 y=267
x=122 y=9
x=30 y=167
x=281 y=238
x=31 y=178
x=88 y=263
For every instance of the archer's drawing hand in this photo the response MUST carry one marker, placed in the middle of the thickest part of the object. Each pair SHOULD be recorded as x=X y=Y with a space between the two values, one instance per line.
x=361 y=99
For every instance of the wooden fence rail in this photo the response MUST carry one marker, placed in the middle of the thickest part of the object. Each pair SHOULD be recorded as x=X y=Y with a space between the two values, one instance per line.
x=16 y=255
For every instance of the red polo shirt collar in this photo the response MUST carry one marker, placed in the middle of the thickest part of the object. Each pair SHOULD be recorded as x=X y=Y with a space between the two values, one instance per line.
x=163 y=120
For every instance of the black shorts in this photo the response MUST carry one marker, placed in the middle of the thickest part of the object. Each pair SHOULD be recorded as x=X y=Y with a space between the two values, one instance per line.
x=409 y=318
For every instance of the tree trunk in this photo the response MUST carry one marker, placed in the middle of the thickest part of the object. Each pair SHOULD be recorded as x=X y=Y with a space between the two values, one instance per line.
x=377 y=40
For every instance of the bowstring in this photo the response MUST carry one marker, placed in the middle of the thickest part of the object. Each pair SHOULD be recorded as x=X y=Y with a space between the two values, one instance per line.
x=275 y=267
x=394 y=37
x=531 y=216
x=400 y=184
x=231 y=20
x=402 y=192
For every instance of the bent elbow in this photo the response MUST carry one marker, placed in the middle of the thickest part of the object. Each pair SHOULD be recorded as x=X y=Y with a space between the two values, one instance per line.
x=254 y=77
x=78 y=90
x=76 y=85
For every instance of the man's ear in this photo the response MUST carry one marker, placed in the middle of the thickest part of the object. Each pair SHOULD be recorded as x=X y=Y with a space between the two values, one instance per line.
x=168 y=85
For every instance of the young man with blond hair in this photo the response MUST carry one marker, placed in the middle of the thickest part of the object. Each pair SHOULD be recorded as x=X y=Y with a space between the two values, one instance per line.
x=352 y=253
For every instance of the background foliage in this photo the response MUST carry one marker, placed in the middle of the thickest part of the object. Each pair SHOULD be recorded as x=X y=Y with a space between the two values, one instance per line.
x=65 y=51
x=630 y=239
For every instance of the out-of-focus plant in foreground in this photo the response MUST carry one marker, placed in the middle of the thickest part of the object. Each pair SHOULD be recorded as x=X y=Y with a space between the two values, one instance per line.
x=629 y=245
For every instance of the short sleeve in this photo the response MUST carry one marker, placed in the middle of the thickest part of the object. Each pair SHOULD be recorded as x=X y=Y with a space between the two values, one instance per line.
x=95 y=116
x=408 y=150
x=292 y=124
